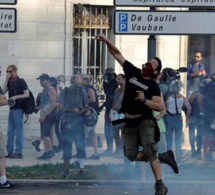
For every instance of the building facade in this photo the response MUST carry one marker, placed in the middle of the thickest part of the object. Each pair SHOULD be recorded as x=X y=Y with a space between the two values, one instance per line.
x=57 y=37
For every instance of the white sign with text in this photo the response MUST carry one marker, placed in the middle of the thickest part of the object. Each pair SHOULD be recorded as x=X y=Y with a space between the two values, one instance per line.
x=165 y=3
x=7 y=20
x=164 y=22
x=8 y=1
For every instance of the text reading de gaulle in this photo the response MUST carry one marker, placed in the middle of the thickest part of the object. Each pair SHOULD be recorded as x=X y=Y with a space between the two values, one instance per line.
x=153 y=19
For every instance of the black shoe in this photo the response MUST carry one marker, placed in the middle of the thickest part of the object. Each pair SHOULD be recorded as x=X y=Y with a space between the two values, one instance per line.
x=17 y=156
x=7 y=185
x=36 y=144
x=94 y=157
x=160 y=189
x=45 y=156
x=57 y=149
x=51 y=153
x=169 y=159
x=66 y=173
x=9 y=155
x=82 y=173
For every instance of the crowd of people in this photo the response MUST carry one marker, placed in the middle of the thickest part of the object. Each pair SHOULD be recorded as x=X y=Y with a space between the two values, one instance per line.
x=201 y=94
x=142 y=122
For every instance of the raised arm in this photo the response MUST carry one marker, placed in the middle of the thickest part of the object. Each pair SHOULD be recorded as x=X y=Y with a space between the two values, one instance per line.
x=114 y=51
x=52 y=96
x=4 y=88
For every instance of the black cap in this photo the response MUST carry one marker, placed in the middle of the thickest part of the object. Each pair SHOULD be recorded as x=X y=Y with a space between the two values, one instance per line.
x=43 y=77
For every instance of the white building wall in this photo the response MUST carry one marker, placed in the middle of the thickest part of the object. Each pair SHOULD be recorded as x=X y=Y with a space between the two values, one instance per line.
x=42 y=44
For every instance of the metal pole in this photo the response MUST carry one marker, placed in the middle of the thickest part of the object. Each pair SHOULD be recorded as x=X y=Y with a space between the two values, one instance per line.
x=151 y=43
x=151 y=47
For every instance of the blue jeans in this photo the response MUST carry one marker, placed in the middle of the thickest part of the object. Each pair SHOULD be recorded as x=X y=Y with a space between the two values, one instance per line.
x=116 y=135
x=196 y=123
x=72 y=130
x=174 y=123
x=15 y=131
x=108 y=130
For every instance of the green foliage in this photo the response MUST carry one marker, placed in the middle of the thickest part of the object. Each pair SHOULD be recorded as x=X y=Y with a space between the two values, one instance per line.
x=54 y=171
x=109 y=172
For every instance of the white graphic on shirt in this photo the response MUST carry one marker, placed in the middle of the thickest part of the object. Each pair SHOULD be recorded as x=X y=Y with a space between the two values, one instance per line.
x=135 y=82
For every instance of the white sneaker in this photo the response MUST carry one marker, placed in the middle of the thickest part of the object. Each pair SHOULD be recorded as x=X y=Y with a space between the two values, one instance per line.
x=212 y=126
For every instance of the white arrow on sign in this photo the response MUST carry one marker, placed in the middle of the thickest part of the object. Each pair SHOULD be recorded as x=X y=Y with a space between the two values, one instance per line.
x=164 y=22
x=165 y=3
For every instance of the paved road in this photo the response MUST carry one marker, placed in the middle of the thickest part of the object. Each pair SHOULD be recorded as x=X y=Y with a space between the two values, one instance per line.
x=110 y=189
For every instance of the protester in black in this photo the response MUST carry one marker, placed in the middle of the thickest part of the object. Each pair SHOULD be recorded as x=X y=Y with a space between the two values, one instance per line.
x=109 y=85
x=142 y=95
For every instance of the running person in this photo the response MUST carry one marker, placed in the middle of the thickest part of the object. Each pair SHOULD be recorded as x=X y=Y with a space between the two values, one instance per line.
x=141 y=96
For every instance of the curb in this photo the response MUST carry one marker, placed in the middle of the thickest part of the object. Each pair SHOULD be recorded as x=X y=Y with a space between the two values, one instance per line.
x=107 y=182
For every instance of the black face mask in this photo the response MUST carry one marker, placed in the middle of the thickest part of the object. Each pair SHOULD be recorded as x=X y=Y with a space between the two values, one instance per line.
x=108 y=76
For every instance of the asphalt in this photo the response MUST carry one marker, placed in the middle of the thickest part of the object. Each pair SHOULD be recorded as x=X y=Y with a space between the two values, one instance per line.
x=130 y=189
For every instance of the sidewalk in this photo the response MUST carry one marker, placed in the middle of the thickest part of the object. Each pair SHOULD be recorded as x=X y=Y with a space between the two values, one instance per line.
x=30 y=155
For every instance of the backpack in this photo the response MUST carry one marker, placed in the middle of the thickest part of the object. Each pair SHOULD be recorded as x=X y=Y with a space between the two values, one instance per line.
x=28 y=105
x=90 y=117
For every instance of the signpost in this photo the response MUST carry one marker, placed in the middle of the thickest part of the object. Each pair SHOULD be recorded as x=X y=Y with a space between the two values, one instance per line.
x=165 y=3
x=164 y=22
x=12 y=2
x=7 y=20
